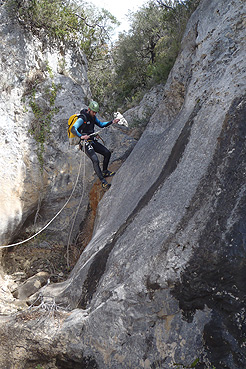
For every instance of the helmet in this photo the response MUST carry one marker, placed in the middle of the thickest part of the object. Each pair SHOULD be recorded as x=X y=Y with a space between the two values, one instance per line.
x=94 y=106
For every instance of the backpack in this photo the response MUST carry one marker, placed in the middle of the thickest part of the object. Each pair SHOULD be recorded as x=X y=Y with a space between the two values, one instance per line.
x=73 y=139
x=71 y=122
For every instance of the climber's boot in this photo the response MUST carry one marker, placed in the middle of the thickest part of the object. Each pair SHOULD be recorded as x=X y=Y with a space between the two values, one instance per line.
x=105 y=184
x=108 y=173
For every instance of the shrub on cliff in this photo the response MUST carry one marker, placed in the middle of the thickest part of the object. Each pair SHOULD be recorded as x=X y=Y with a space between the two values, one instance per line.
x=64 y=20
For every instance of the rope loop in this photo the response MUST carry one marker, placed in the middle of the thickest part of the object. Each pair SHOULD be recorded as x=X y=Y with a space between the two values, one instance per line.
x=46 y=226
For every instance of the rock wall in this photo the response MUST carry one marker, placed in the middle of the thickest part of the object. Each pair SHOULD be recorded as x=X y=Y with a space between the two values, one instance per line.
x=162 y=281
x=139 y=116
x=42 y=79
x=30 y=66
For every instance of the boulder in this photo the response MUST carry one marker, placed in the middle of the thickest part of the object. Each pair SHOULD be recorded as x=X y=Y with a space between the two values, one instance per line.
x=31 y=286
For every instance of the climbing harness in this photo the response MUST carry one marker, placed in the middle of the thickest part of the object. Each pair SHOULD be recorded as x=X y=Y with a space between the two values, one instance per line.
x=41 y=230
x=96 y=134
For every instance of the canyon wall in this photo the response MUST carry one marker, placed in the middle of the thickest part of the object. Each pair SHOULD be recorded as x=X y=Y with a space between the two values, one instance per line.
x=162 y=282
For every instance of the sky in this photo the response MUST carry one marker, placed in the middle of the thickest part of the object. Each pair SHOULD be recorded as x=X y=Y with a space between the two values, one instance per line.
x=119 y=8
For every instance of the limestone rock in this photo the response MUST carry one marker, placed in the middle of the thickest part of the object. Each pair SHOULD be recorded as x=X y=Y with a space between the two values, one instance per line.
x=162 y=281
x=26 y=67
x=31 y=286
x=37 y=177
x=140 y=114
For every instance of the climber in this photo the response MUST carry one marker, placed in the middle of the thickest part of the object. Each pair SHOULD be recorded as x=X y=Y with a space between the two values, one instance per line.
x=84 y=128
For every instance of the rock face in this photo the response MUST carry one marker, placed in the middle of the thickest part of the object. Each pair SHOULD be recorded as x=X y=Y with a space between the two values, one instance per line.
x=42 y=84
x=162 y=281
x=139 y=116
x=29 y=71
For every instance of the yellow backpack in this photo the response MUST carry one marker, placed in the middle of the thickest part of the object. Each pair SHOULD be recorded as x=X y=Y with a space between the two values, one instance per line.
x=73 y=139
x=71 y=122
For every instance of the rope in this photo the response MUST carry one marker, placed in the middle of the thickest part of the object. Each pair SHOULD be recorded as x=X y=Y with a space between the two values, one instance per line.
x=41 y=230
x=75 y=216
x=46 y=226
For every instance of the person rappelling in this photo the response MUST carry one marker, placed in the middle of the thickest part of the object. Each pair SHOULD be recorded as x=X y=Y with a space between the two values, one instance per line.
x=84 y=129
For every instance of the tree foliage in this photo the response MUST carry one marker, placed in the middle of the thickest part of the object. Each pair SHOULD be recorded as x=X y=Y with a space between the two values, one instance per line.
x=120 y=74
x=143 y=56
x=53 y=18
x=66 y=20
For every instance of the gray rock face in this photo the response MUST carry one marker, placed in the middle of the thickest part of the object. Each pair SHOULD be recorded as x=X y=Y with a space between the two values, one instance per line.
x=30 y=71
x=162 y=281
x=140 y=115
x=41 y=86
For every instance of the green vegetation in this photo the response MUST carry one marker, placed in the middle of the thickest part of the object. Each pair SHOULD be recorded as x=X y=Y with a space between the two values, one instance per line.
x=66 y=21
x=122 y=72
x=192 y=365
x=43 y=113
x=52 y=16
x=143 y=56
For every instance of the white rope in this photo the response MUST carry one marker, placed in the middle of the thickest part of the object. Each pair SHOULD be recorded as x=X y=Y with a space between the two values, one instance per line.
x=83 y=181
x=75 y=216
x=41 y=230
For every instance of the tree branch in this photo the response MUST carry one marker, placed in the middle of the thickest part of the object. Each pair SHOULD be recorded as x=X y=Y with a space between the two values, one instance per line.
x=161 y=3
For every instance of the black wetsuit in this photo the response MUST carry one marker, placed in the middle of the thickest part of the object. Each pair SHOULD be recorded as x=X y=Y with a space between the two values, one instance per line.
x=85 y=126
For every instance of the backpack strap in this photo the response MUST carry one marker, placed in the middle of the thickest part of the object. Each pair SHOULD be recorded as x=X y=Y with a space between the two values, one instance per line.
x=83 y=116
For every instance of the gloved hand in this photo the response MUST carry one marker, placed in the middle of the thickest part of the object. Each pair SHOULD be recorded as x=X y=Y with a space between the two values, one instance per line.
x=84 y=137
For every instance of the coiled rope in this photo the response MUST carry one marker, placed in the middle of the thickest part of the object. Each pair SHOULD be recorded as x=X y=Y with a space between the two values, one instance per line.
x=59 y=212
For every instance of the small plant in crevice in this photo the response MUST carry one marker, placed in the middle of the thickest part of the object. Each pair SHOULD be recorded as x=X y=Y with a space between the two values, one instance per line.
x=49 y=70
x=62 y=66
x=189 y=366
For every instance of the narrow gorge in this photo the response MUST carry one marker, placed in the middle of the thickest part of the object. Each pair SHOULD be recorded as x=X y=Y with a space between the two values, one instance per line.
x=160 y=281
